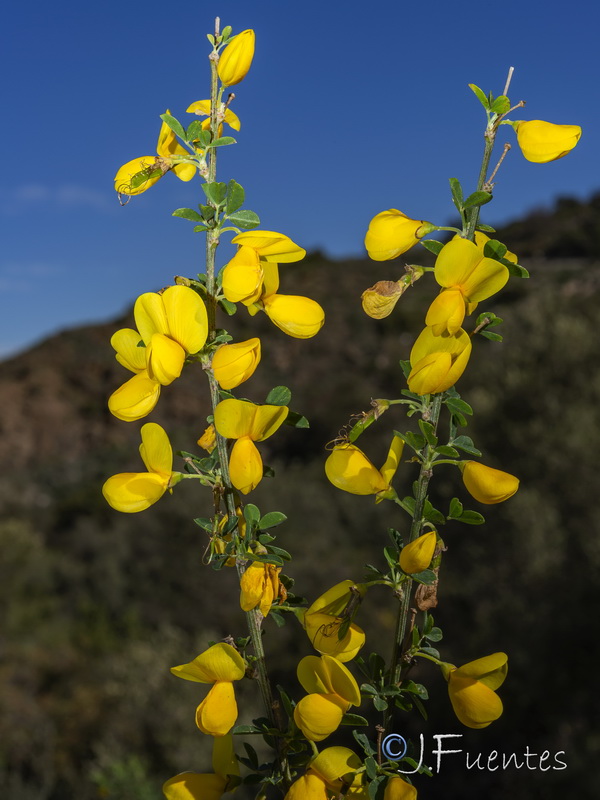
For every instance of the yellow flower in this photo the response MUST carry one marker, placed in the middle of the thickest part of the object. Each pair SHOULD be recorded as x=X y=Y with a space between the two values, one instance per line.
x=392 y=233
x=334 y=769
x=233 y=364
x=416 y=556
x=135 y=491
x=295 y=315
x=202 y=109
x=259 y=586
x=380 y=299
x=220 y=665
x=541 y=142
x=331 y=614
x=172 y=325
x=488 y=485
x=399 y=789
x=349 y=469
x=332 y=690
x=466 y=277
x=438 y=361
x=207 y=786
x=236 y=58
x=247 y=423
x=141 y=173
x=472 y=689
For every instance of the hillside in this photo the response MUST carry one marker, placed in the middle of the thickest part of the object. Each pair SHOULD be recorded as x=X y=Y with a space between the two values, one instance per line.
x=97 y=605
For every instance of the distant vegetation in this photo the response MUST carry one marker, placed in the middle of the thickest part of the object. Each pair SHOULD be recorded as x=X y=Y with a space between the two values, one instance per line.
x=96 y=606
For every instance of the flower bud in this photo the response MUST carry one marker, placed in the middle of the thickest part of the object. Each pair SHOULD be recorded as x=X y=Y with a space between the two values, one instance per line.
x=392 y=233
x=297 y=316
x=541 y=142
x=488 y=485
x=416 y=556
x=233 y=364
x=399 y=789
x=236 y=58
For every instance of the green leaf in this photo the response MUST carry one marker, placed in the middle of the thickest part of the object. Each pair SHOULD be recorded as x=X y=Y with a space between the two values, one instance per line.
x=235 y=197
x=492 y=319
x=207 y=212
x=251 y=514
x=431 y=651
x=221 y=141
x=471 y=518
x=494 y=249
x=204 y=139
x=410 y=503
x=174 y=124
x=279 y=551
x=405 y=366
x=414 y=440
x=187 y=213
x=266 y=558
x=194 y=131
x=444 y=450
x=466 y=443
x=485 y=228
x=500 y=105
x=477 y=199
x=380 y=704
x=428 y=432
x=458 y=406
x=296 y=420
x=200 y=228
x=353 y=719
x=244 y=219
x=516 y=270
x=279 y=396
x=480 y=96
x=204 y=523
x=456 y=508
x=227 y=306
x=494 y=337
x=244 y=729
x=435 y=635
x=428 y=577
x=367 y=746
x=391 y=556
x=433 y=246
x=371 y=768
x=225 y=34
x=416 y=688
x=375 y=787
x=271 y=520
x=432 y=514
x=457 y=193
x=215 y=192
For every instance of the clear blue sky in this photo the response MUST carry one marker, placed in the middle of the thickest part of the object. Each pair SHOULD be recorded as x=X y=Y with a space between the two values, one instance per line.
x=350 y=108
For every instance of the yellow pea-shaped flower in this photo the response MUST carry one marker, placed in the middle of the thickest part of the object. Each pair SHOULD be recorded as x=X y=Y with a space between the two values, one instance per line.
x=416 y=556
x=392 y=233
x=488 y=485
x=236 y=58
x=472 y=689
x=541 y=141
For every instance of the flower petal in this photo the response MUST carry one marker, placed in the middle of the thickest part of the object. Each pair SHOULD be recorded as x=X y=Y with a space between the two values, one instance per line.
x=245 y=465
x=217 y=713
x=308 y=787
x=165 y=359
x=474 y=704
x=488 y=485
x=137 y=175
x=447 y=312
x=128 y=354
x=186 y=316
x=221 y=662
x=194 y=786
x=135 y=398
x=243 y=277
x=156 y=450
x=297 y=316
x=267 y=419
x=349 y=469
x=416 y=556
x=150 y=316
x=271 y=246
x=319 y=715
x=490 y=670
x=233 y=364
x=131 y=492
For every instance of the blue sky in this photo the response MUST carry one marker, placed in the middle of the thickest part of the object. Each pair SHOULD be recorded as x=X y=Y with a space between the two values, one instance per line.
x=349 y=108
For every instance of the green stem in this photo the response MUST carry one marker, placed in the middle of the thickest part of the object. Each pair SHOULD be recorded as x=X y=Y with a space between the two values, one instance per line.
x=253 y=617
x=490 y=138
x=431 y=414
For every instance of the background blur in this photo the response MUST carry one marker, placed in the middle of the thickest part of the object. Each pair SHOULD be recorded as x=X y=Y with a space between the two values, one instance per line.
x=339 y=110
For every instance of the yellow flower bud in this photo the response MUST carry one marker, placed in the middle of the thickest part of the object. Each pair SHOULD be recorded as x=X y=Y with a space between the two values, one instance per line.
x=319 y=715
x=472 y=689
x=236 y=58
x=259 y=586
x=399 y=789
x=392 y=233
x=308 y=787
x=541 y=142
x=488 y=485
x=208 y=440
x=416 y=556
x=233 y=364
